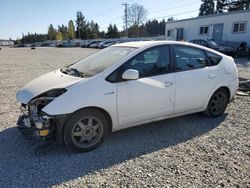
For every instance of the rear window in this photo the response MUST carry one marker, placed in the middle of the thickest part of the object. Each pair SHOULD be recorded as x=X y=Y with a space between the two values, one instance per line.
x=213 y=58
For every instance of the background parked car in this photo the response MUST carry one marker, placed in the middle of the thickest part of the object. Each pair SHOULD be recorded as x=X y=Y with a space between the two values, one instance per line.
x=248 y=52
x=104 y=44
x=86 y=44
x=213 y=45
x=94 y=44
x=109 y=44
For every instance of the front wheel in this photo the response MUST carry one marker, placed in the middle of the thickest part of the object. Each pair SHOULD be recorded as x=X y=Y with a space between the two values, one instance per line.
x=86 y=130
x=217 y=103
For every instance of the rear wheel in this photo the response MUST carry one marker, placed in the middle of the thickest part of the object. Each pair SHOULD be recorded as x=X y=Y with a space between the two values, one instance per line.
x=86 y=130
x=217 y=103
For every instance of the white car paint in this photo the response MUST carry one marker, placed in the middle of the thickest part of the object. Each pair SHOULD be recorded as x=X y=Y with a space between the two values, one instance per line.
x=44 y=83
x=139 y=101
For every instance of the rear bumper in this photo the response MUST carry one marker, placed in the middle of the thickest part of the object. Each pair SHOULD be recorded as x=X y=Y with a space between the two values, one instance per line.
x=233 y=88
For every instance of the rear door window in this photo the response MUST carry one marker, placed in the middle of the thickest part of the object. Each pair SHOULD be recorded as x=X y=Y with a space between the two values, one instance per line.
x=188 y=58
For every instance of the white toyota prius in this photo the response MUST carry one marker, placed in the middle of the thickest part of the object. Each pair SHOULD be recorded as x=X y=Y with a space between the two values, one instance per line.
x=125 y=85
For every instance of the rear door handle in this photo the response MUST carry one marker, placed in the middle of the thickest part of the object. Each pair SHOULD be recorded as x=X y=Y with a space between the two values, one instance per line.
x=212 y=76
x=168 y=84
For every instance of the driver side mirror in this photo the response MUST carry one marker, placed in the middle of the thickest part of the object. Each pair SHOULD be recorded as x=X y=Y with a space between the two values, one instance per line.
x=130 y=74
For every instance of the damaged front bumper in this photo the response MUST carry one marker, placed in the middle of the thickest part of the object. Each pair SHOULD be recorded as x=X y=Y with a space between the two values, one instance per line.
x=35 y=127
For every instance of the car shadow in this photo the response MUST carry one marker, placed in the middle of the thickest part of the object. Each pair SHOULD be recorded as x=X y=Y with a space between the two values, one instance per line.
x=26 y=167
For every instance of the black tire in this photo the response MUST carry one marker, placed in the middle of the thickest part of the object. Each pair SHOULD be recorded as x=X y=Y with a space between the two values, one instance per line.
x=85 y=130
x=217 y=103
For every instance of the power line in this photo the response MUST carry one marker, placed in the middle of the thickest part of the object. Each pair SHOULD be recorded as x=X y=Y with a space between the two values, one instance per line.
x=108 y=10
x=170 y=15
x=175 y=7
x=176 y=14
x=163 y=5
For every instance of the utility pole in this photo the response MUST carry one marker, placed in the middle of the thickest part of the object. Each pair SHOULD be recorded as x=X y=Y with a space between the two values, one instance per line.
x=79 y=33
x=126 y=18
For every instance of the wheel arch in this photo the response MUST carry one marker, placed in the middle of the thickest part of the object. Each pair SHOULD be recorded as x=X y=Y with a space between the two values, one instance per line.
x=211 y=94
x=227 y=90
x=103 y=111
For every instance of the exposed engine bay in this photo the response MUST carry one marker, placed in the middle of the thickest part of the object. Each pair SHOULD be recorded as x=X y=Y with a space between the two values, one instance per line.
x=34 y=123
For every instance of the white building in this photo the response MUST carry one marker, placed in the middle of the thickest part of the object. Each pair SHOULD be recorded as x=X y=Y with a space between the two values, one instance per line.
x=232 y=26
x=6 y=43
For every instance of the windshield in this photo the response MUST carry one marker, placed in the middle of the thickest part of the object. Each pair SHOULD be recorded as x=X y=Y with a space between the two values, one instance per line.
x=98 y=62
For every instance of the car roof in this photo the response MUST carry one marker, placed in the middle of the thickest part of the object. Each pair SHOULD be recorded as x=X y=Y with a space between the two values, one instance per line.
x=142 y=44
x=148 y=44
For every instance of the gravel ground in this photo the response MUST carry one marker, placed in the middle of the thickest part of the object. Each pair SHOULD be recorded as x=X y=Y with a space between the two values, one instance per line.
x=189 y=151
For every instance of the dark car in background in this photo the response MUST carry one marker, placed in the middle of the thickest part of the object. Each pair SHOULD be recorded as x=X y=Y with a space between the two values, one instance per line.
x=213 y=45
x=88 y=43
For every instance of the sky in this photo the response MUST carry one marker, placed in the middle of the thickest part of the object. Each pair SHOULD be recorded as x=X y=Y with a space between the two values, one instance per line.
x=23 y=16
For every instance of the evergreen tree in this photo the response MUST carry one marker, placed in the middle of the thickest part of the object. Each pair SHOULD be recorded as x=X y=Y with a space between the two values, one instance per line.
x=71 y=30
x=162 y=27
x=221 y=6
x=206 y=8
x=112 y=31
x=234 y=5
x=32 y=38
x=155 y=28
x=51 y=32
x=93 y=30
x=81 y=26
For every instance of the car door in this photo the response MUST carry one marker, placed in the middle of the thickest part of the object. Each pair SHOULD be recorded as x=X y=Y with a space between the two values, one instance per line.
x=194 y=78
x=152 y=95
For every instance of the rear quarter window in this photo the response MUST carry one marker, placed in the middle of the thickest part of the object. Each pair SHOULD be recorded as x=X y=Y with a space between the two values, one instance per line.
x=213 y=58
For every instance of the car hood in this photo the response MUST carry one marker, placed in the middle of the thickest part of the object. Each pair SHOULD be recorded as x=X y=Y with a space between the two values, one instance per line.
x=52 y=80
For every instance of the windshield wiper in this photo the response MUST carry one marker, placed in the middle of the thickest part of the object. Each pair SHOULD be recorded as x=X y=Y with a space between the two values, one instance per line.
x=76 y=72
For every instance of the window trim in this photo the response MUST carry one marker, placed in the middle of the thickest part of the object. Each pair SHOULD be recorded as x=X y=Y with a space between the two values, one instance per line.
x=208 y=64
x=239 y=22
x=203 y=26
x=120 y=68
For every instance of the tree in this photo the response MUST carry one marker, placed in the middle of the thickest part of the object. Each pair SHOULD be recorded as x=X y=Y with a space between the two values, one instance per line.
x=112 y=31
x=32 y=38
x=136 y=15
x=59 y=36
x=71 y=30
x=81 y=26
x=221 y=6
x=93 y=30
x=206 y=8
x=234 y=5
x=102 y=34
x=152 y=27
x=51 y=32
x=64 y=31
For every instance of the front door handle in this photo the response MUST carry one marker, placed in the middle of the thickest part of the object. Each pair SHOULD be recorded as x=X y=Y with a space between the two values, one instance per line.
x=168 y=84
x=212 y=76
